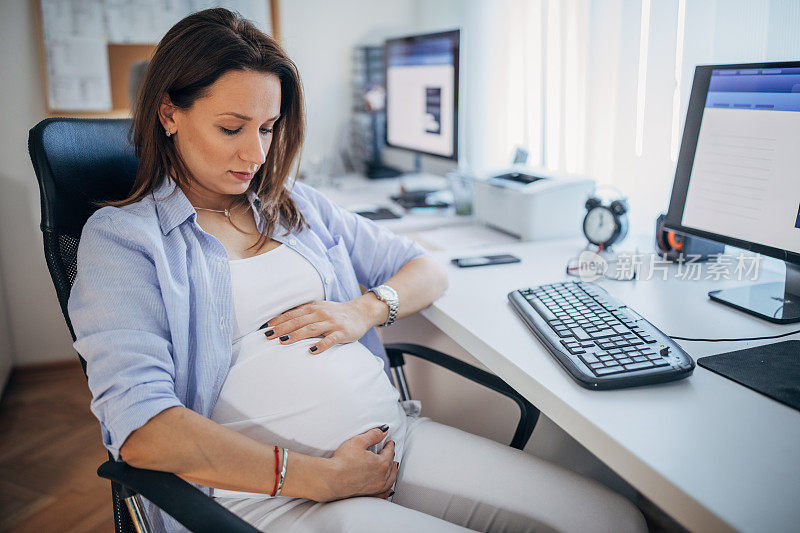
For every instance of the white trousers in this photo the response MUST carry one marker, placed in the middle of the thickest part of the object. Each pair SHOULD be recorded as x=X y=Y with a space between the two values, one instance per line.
x=450 y=480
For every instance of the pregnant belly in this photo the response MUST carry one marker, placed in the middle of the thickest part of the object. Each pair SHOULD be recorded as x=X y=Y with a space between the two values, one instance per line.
x=282 y=394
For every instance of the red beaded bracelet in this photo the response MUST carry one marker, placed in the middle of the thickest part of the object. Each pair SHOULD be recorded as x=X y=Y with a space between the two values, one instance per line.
x=277 y=472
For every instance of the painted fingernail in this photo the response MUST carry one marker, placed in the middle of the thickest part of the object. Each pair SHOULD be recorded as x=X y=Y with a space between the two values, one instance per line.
x=391 y=494
x=284 y=337
x=384 y=428
x=269 y=333
x=265 y=324
x=313 y=349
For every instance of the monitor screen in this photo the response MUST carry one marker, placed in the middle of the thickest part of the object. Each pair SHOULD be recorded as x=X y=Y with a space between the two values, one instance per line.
x=738 y=178
x=422 y=93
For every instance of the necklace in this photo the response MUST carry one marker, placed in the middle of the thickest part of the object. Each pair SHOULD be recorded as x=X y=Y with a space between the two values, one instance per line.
x=225 y=212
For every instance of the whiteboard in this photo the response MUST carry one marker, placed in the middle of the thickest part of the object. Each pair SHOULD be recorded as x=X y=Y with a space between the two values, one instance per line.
x=76 y=35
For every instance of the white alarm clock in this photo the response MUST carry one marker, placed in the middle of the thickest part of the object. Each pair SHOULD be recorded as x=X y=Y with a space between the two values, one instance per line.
x=605 y=225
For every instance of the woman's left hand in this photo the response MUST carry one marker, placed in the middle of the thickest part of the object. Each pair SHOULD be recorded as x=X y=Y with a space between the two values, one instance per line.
x=336 y=322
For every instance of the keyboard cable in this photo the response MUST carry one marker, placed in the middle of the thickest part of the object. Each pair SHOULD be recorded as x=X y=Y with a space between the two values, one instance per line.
x=734 y=340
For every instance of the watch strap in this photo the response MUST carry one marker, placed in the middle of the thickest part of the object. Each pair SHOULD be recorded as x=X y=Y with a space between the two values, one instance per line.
x=392 y=301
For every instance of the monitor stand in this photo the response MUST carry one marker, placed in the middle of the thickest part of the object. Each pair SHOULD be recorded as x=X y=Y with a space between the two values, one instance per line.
x=777 y=302
x=417 y=180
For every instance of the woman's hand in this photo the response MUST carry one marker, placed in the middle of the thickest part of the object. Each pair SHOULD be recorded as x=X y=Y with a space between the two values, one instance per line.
x=356 y=471
x=336 y=322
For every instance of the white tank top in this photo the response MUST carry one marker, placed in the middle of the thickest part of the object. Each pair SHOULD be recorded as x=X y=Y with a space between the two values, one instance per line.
x=282 y=394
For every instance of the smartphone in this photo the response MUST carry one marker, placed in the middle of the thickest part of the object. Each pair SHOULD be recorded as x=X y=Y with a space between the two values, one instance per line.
x=485 y=260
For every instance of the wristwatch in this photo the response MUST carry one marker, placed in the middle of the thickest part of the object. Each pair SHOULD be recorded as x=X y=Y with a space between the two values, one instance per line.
x=387 y=295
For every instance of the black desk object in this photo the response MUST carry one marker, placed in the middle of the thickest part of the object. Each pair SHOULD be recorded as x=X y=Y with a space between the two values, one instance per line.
x=772 y=370
x=381 y=213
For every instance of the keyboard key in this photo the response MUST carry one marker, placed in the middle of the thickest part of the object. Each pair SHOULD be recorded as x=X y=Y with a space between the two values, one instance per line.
x=604 y=333
x=574 y=349
x=589 y=358
x=638 y=366
x=541 y=309
x=580 y=334
x=624 y=361
x=607 y=370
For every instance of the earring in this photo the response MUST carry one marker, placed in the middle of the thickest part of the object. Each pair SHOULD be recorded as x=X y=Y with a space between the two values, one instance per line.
x=169 y=133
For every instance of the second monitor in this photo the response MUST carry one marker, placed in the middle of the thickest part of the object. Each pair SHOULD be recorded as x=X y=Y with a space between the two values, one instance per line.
x=422 y=93
x=736 y=179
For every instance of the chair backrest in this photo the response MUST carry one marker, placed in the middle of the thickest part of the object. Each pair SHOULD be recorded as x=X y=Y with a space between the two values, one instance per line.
x=78 y=163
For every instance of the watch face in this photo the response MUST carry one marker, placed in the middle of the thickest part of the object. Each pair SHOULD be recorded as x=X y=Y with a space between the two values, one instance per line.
x=384 y=293
x=600 y=225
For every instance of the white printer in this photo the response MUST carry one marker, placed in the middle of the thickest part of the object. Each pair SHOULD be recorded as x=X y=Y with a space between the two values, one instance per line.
x=532 y=204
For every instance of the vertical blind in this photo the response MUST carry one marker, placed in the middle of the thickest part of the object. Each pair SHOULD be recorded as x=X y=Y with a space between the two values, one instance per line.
x=600 y=87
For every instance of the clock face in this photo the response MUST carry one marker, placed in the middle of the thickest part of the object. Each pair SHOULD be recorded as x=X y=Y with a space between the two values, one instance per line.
x=600 y=226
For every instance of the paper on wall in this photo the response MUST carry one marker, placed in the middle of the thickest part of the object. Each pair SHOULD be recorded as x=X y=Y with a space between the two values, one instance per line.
x=142 y=21
x=78 y=74
x=76 y=34
x=72 y=18
x=253 y=10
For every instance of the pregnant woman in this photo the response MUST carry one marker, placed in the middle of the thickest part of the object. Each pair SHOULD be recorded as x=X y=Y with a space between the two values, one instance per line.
x=227 y=340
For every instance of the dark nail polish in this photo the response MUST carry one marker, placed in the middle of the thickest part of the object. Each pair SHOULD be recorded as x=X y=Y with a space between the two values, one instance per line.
x=265 y=324
x=284 y=337
x=270 y=332
x=391 y=494
x=313 y=348
x=384 y=428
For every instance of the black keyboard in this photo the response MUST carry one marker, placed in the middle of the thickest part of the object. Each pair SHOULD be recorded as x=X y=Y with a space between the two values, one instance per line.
x=600 y=341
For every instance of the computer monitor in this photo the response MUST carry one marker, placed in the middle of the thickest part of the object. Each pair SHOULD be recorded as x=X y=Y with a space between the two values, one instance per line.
x=422 y=94
x=738 y=180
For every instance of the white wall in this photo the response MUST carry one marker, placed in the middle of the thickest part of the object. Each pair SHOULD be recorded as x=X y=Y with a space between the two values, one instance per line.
x=29 y=313
x=6 y=351
x=320 y=37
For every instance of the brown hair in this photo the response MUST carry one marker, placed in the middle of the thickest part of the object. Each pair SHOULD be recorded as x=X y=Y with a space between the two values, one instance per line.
x=193 y=54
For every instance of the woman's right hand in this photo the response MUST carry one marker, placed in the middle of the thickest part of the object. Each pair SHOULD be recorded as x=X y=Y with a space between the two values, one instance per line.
x=357 y=471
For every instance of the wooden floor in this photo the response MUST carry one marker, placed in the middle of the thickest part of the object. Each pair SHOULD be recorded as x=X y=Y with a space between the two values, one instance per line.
x=49 y=453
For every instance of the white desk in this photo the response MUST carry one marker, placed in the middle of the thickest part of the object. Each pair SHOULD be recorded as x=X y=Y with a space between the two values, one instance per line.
x=355 y=192
x=713 y=454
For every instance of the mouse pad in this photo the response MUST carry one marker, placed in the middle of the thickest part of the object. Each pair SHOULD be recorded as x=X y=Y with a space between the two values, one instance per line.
x=771 y=369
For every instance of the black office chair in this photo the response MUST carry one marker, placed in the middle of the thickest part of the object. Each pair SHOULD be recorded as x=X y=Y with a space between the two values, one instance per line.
x=79 y=162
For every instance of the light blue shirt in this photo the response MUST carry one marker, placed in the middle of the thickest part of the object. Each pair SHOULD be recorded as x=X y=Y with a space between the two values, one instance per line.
x=151 y=305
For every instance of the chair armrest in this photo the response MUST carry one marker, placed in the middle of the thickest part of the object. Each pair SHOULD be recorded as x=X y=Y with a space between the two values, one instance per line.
x=529 y=414
x=183 y=502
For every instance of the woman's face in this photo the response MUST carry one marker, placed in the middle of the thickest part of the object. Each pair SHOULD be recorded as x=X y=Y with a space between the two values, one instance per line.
x=225 y=136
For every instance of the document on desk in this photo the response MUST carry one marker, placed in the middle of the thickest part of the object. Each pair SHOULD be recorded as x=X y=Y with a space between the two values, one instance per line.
x=461 y=237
